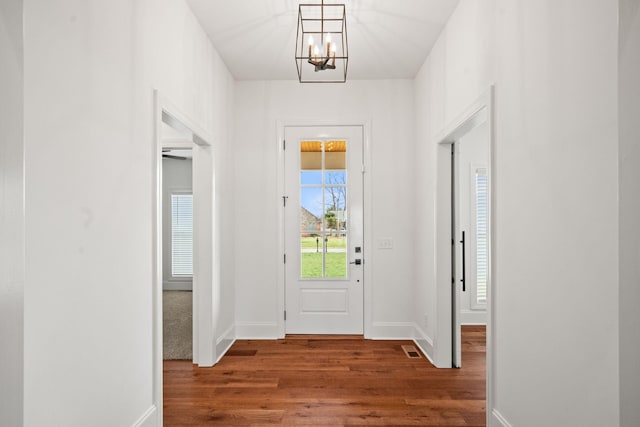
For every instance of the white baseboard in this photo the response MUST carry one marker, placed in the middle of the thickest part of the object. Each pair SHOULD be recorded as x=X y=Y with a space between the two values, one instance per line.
x=257 y=330
x=473 y=317
x=425 y=343
x=390 y=331
x=148 y=419
x=497 y=420
x=177 y=286
x=225 y=342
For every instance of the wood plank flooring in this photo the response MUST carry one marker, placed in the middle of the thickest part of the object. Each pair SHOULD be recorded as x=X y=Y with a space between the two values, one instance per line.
x=327 y=381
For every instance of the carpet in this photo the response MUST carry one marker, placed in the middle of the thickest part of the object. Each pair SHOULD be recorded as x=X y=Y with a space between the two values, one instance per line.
x=177 y=325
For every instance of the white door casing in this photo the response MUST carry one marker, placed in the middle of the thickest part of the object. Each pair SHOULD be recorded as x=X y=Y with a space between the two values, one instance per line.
x=323 y=232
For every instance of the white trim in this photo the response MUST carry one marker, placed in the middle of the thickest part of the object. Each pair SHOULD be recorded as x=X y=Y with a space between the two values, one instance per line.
x=392 y=331
x=175 y=285
x=225 y=341
x=497 y=420
x=365 y=124
x=482 y=109
x=424 y=342
x=473 y=317
x=148 y=419
x=199 y=137
x=258 y=330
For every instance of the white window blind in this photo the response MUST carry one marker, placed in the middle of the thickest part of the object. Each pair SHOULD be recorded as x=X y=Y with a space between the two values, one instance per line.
x=181 y=235
x=482 y=260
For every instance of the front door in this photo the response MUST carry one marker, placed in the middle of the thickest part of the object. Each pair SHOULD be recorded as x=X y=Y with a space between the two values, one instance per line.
x=324 y=253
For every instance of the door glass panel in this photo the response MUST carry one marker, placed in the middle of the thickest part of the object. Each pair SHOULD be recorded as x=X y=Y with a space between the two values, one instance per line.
x=308 y=177
x=323 y=209
x=311 y=209
x=335 y=155
x=311 y=256
x=335 y=208
x=336 y=256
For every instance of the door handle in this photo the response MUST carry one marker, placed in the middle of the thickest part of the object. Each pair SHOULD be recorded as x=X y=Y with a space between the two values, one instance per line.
x=464 y=272
x=357 y=261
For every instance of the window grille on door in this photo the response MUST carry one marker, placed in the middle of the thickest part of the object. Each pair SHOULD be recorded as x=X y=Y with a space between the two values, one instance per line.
x=323 y=210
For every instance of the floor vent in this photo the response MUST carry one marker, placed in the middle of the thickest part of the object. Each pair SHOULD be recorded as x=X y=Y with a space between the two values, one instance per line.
x=411 y=352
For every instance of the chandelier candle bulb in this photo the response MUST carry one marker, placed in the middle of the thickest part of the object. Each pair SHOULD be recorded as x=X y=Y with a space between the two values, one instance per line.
x=310 y=46
x=328 y=41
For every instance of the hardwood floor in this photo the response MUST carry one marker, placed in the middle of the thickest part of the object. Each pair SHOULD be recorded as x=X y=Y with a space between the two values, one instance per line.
x=327 y=381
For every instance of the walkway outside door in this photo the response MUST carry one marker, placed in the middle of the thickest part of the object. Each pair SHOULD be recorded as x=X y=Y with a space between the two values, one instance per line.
x=324 y=253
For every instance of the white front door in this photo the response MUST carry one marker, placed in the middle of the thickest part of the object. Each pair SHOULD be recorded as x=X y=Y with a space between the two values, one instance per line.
x=324 y=253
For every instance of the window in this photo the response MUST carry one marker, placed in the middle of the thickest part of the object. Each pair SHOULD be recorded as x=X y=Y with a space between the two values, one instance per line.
x=182 y=235
x=481 y=218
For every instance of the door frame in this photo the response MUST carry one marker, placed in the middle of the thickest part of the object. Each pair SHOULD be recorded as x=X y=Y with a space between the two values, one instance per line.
x=443 y=209
x=365 y=125
x=205 y=226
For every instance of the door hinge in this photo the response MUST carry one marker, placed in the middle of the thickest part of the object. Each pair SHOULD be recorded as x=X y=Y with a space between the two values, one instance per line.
x=285 y=258
x=285 y=315
x=453 y=281
x=284 y=144
x=284 y=201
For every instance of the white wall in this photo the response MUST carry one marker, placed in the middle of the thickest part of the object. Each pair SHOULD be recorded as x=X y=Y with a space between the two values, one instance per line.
x=387 y=106
x=177 y=175
x=90 y=71
x=555 y=195
x=11 y=214
x=457 y=72
x=629 y=158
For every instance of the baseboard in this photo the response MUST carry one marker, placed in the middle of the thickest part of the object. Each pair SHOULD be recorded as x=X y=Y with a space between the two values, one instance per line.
x=225 y=342
x=148 y=419
x=177 y=286
x=390 y=331
x=473 y=317
x=497 y=420
x=425 y=343
x=257 y=330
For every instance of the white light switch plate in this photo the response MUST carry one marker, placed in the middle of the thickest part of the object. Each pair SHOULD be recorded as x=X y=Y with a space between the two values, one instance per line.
x=385 y=243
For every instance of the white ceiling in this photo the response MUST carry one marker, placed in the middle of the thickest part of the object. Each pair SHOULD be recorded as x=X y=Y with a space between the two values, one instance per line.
x=388 y=39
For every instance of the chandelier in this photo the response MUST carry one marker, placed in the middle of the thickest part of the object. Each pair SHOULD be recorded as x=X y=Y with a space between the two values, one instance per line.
x=322 y=54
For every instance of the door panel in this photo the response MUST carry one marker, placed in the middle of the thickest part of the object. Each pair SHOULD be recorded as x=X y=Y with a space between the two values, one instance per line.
x=323 y=230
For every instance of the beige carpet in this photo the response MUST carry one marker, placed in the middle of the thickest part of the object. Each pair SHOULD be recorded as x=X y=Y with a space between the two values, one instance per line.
x=177 y=325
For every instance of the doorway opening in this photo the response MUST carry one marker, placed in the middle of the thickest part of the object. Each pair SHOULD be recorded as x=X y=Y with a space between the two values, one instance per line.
x=470 y=218
x=184 y=259
x=464 y=202
x=177 y=251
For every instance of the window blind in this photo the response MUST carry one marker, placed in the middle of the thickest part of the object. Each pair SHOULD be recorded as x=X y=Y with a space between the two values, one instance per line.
x=182 y=235
x=481 y=237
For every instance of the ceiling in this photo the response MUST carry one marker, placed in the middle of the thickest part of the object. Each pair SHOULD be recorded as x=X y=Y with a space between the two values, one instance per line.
x=388 y=39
